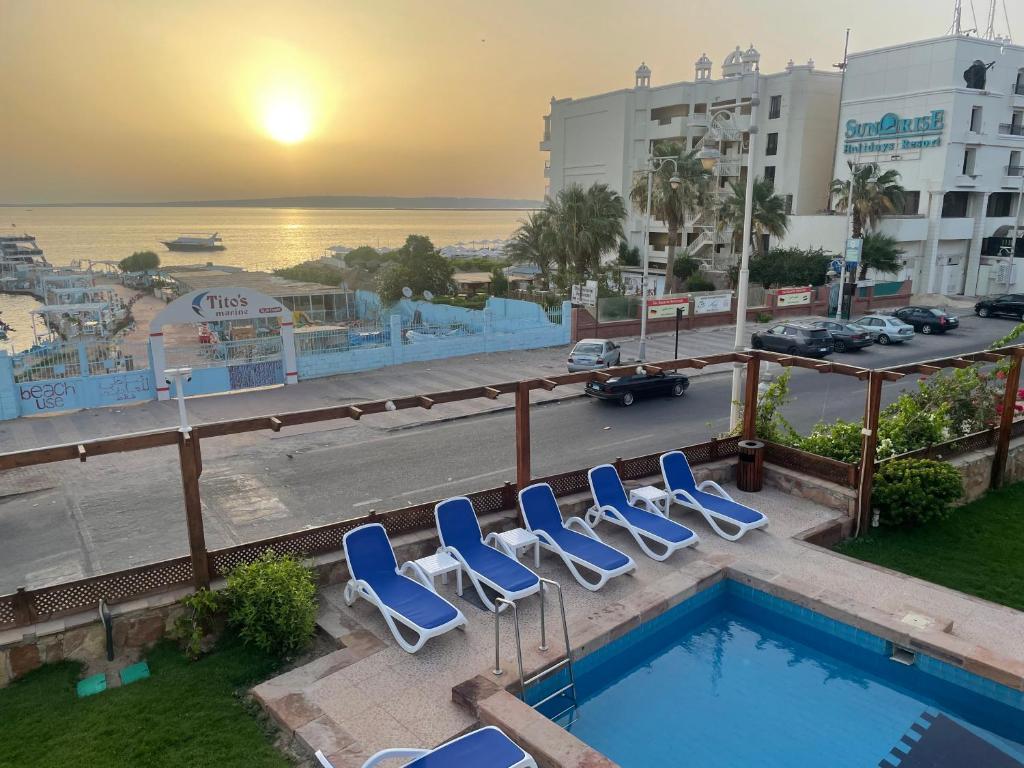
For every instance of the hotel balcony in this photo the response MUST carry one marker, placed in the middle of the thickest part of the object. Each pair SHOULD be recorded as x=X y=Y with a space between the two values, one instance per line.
x=697 y=120
x=547 y=169
x=956 y=229
x=905 y=228
x=666 y=129
x=1011 y=129
x=1012 y=174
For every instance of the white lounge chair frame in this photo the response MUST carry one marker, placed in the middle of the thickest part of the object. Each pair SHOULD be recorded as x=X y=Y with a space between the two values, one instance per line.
x=356 y=588
x=684 y=499
x=477 y=579
x=599 y=512
x=414 y=754
x=571 y=560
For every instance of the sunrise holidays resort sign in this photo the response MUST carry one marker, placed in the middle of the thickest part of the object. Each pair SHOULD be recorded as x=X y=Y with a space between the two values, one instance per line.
x=893 y=133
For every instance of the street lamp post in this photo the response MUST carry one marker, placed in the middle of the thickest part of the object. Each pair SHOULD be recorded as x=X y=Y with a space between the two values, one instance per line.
x=849 y=235
x=744 y=273
x=654 y=165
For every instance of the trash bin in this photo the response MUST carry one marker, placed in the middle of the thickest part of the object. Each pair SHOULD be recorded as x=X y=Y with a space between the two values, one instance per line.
x=750 y=471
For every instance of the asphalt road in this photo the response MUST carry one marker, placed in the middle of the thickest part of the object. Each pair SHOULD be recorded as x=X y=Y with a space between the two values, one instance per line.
x=118 y=511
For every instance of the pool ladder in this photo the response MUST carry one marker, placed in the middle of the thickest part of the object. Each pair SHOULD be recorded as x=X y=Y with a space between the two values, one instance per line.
x=525 y=682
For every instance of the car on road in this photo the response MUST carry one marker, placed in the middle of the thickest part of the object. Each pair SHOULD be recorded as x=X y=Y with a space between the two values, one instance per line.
x=626 y=390
x=927 y=320
x=886 y=329
x=845 y=336
x=594 y=354
x=1006 y=305
x=794 y=339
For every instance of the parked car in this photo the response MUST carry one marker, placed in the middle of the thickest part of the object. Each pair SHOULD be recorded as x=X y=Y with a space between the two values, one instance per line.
x=794 y=339
x=845 y=336
x=627 y=389
x=1007 y=305
x=886 y=329
x=928 y=320
x=594 y=354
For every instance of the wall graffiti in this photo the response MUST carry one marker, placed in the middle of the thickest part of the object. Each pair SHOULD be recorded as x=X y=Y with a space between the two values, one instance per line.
x=126 y=387
x=48 y=396
x=256 y=374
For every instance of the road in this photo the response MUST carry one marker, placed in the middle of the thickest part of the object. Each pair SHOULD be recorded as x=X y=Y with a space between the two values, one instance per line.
x=123 y=510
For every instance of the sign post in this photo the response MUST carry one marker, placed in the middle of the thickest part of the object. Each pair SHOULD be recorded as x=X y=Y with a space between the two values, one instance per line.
x=851 y=258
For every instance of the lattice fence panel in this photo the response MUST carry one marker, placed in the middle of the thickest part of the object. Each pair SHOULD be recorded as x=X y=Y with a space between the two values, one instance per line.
x=1017 y=429
x=568 y=483
x=492 y=500
x=641 y=466
x=837 y=472
x=6 y=612
x=113 y=587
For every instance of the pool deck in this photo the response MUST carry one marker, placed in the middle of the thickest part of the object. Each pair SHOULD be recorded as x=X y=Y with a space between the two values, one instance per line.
x=371 y=695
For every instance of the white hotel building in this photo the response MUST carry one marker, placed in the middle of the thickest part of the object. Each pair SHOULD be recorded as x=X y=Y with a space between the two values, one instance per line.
x=958 y=149
x=608 y=138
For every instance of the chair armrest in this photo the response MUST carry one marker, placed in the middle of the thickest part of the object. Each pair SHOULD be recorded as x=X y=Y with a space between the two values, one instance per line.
x=411 y=570
x=495 y=541
x=393 y=754
x=584 y=528
x=715 y=487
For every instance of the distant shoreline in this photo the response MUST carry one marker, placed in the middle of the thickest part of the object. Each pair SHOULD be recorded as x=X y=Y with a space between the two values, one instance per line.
x=321 y=203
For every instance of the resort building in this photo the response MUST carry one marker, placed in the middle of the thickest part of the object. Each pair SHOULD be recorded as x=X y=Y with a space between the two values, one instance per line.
x=948 y=115
x=608 y=139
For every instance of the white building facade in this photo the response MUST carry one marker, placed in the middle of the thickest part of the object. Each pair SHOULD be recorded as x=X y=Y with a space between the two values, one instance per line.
x=948 y=115
x=609 y=138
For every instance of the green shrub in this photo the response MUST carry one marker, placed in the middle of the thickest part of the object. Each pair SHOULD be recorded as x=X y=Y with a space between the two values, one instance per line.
x=197 y=622
x=911 y=492
x=840 y=440
x=272 y=604
x=699 y=283
x=763 y=317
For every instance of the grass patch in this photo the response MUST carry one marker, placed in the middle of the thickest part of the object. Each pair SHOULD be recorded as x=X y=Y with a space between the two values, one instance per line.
x=979 y=549
x=186 y=714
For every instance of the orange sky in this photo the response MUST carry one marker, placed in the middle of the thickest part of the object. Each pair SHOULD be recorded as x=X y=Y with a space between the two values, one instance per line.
x=144 y=100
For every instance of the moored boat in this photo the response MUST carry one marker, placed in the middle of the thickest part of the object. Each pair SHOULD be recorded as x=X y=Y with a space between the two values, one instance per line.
x=195 y=241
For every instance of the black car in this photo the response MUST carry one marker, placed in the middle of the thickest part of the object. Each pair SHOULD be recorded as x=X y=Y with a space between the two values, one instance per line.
x=794 y=339
x=626 y=389
x=1007 y=305
x=845 y=336
x=928 y=320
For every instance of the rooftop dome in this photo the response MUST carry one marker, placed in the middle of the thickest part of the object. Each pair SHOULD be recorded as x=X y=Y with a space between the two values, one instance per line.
x=643 y=70
x=703 y=61
x=736 y=57
x=751 y=54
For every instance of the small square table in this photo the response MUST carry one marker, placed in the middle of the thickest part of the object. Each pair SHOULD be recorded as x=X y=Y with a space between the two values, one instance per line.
x=517 y=540
x=432 y=566
x=654 y=500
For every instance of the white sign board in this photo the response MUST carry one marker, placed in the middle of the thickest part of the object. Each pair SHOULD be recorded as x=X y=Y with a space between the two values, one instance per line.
x=585 y=294
x=219 y=304
x=667 y=306
x=792 y=297
x=721 y=302
x=854 y=248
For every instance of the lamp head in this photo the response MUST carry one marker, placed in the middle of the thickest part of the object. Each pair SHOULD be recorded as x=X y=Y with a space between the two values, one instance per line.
x=675 y=181
x=709 y=157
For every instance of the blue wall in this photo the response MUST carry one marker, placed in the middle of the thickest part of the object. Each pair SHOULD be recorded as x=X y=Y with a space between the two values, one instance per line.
x=56 y=395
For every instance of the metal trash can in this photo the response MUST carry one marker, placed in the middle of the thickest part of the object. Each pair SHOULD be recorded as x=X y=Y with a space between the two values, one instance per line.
x=750 y=471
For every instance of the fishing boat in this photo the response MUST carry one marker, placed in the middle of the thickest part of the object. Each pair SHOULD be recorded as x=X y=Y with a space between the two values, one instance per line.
x=195 y=241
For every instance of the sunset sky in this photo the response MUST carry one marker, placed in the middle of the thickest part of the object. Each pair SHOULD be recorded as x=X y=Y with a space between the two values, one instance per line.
x=204 y=99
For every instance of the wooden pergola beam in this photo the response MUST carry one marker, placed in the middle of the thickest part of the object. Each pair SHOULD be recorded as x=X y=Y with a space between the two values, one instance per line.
x=425 y=402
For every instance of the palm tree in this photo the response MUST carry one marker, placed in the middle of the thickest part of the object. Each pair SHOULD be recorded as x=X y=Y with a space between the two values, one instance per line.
x=875 y=193
x=769 y=215
x=880 y=253
x=533 y=243
x=584 y=223
x=672 y=205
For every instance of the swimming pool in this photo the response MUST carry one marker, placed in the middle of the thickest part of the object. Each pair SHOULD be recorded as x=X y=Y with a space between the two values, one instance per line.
x=736 y=678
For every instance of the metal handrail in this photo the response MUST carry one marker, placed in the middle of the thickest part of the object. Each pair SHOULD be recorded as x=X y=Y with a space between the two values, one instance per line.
x=498 y=601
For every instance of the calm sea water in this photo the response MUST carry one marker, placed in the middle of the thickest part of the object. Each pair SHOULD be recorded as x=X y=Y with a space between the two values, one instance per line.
x=256 y=238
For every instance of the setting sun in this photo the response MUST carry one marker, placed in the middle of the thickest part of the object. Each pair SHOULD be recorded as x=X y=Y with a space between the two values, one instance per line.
x=287 y=120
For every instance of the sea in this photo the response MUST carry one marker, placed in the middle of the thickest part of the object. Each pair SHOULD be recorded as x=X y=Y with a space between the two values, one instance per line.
x=255 y=238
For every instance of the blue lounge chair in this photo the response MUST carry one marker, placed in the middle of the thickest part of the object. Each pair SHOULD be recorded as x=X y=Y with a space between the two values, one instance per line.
x=376 y=579
x=459 y=531
x=611 y=504
x=484 y=748
x=721 y=508
x=542 y=517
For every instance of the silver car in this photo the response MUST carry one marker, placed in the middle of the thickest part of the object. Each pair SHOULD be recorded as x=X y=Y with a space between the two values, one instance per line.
x=886 y=329
x=593 y=354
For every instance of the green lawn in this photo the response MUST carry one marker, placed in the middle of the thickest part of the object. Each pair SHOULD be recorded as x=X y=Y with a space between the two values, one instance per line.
x=979 y=549
x=186 y=714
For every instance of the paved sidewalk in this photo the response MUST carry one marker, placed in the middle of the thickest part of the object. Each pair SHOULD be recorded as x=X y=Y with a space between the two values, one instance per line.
x=393 y=381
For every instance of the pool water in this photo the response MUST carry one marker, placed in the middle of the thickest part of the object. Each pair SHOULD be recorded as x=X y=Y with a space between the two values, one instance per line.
x=735 y=677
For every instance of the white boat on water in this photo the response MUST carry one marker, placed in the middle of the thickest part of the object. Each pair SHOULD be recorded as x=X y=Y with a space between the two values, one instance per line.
x=195 y=241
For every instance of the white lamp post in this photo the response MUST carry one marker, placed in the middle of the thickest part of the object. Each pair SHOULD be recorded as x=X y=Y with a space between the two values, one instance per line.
x=178 y=376
x=744 y=273
x=654 y=165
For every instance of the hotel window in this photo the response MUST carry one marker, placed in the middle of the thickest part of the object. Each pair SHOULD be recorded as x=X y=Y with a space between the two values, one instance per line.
x=1014 y=168
x=773 y=144
x=999 y=205
x=975 y=119
x=774 y=107
x=970 y=153
x=911 y=203
x=954 y=205
x=769 y=173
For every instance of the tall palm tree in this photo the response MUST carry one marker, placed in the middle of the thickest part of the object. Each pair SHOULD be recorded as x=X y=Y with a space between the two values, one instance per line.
x=533 y=243
x=672 y=205
x=769 y=215
x=880 y=253
x=875 y=193
x=584 y=223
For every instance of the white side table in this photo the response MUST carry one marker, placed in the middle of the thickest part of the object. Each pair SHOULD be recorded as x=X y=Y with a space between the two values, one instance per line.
x=514 y=542
x=653 y=499
x=426 y=569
